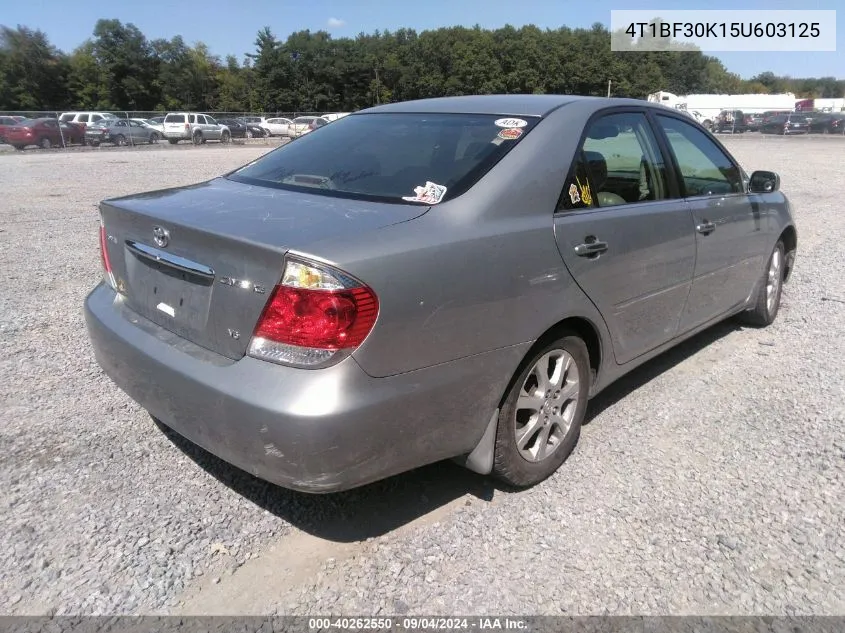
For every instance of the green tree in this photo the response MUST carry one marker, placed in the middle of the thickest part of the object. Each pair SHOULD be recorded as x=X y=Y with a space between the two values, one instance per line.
x=33 y=73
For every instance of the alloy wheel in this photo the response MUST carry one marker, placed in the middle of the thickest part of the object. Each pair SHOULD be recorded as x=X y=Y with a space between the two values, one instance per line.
x=546 y=405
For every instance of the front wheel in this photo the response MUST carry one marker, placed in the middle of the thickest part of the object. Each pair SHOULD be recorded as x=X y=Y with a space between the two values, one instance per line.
x=19 y=147
x=225 y=137
x=767 y=304
x=173 y=141
x=154 y=138
x=540 y=419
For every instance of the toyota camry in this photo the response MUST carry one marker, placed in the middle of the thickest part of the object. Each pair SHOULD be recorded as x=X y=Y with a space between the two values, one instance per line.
x=439 y=279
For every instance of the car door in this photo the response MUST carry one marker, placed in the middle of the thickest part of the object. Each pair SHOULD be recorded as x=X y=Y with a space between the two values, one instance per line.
x=624 y=233
x=731 y=229
x=51 y=131
x=215 y=130
x=138 y=132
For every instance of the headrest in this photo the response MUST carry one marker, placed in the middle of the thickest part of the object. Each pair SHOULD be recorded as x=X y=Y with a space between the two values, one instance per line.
x=597 y=165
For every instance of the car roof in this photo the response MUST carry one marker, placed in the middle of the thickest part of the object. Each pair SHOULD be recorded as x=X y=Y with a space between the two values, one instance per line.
x=515 y=104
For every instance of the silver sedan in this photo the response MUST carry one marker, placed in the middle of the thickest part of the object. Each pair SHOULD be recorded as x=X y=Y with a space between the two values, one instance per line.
x=443 y=279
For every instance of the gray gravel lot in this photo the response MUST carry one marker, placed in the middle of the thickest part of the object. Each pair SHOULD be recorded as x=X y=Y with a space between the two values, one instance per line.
x=710 y=481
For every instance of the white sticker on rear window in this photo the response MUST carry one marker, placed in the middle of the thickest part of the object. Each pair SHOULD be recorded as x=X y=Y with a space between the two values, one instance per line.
x=166 y=309
x=511 y=122
x=430 y=193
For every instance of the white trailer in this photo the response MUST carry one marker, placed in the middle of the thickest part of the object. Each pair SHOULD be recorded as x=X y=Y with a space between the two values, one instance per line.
x=706 y=107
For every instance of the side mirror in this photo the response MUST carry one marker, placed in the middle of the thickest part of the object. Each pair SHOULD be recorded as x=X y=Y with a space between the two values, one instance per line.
x=763 y=182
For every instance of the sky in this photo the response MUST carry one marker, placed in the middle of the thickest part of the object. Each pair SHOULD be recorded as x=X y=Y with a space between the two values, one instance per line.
x=230 y=27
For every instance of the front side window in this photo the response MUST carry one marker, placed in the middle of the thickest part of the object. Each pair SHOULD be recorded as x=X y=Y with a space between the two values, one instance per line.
x=621 y=157
x=705 y=169
x=391 y=157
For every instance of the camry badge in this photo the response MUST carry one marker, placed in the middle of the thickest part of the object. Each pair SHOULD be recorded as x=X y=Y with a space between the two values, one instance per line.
x=161 y=236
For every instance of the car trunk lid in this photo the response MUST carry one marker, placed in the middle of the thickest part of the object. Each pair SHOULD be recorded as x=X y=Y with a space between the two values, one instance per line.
x=202 y=261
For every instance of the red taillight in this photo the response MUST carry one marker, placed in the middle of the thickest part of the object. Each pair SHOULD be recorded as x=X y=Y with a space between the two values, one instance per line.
x=313 y=315
x=323 y=319
x=108 y=275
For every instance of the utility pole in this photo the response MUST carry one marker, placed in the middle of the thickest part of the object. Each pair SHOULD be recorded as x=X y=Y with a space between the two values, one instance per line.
x=378 y=88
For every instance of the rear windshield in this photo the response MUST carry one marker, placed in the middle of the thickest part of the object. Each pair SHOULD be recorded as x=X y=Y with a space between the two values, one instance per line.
x=174 y=118
x=402 y=158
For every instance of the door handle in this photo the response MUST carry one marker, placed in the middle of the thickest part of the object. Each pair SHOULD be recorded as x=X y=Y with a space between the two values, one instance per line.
x=706 y=227
x=591 y=249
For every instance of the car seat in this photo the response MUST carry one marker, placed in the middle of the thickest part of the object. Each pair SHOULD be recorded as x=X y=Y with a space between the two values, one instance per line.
x=597 y=165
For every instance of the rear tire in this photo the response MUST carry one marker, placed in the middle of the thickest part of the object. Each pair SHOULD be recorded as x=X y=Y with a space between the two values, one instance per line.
x=19 y=147
x=45 y=143
x=173 y=141
x=120 y=140
x=197 y=139
x=540 y=418
x=767 y=303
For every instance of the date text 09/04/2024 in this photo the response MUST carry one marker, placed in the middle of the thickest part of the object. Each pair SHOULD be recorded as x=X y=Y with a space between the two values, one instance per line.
x=418 y=623
x=724 y=29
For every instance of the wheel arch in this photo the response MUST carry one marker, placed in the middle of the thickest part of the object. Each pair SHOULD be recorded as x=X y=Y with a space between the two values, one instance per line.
x=789 y=237
x=585 y=329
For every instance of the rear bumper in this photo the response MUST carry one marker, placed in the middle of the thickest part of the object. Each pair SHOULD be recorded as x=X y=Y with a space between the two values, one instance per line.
x=310 y=430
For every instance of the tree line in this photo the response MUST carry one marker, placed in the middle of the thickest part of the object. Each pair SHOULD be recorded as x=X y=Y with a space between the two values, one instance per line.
x=118 y=68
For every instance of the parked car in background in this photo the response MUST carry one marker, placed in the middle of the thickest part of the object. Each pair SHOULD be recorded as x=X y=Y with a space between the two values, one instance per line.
x=158 y=126
x=316 y=124
x=158 y=120
x=302 y=125
x=278 y=126
x=730 y=121
x=45 y=133
x=827 y=123
x=334 y=116
x=195 y=127
x=260 y=121
x=391 y=300
x=8 y=121
x=86 y=118
x=120 y=132
x=786 y=124
x=243 y=130
x=753 y=121
x=768 y=115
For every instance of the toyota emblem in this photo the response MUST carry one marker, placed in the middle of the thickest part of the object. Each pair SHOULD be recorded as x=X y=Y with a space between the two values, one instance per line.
x=161 y=236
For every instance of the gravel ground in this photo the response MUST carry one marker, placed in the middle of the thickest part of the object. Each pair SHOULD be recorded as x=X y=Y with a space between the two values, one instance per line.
x=710 y=481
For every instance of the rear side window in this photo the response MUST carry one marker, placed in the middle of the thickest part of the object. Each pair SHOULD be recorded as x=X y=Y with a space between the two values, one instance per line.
x=423 y=158
x=621 y=158
x=174 y=118
x=705 y=169
x=83 y=118
x=67 y=117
